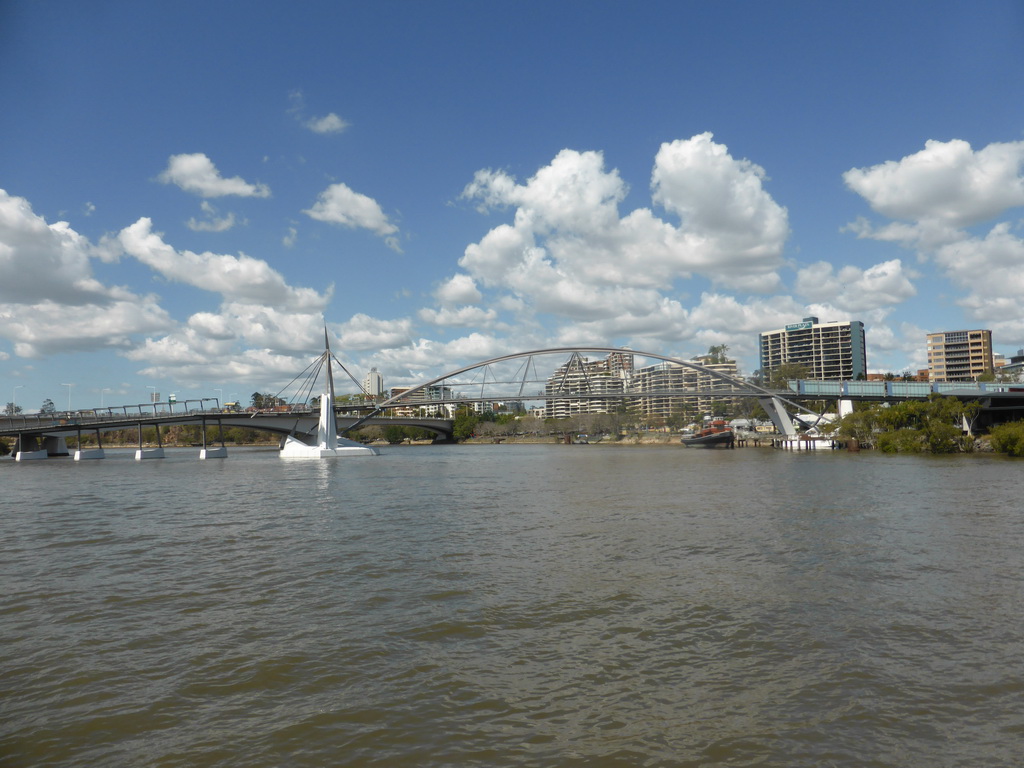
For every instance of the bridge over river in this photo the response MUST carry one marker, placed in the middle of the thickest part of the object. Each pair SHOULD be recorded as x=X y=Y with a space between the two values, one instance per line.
x=509 y=378
x=47 y=433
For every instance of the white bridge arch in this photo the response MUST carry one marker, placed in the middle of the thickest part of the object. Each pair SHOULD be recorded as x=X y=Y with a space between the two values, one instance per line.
x=772 y=402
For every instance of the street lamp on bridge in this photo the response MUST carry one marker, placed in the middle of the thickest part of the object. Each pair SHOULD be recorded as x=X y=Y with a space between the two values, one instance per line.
x=14 y=397
x=69 y=386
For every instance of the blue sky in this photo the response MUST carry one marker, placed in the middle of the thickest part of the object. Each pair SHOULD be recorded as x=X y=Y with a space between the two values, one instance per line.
x=191 y=189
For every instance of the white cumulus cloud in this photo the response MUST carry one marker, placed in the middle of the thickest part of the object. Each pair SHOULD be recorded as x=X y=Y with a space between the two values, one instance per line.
x=50 y=301
x=934 y=195
x=458 y=289
x=464 y=317
x=569 y=251
x=212 y=223
x=43 y=328
x=329 y=123
x=196 y=173
x=362 y=332
x=856 y=290
x=946 y=181
x=238 y=278
x=339 y=204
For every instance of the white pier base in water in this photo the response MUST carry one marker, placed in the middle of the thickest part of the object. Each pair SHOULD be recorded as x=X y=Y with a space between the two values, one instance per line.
x=328 y=445
x=296 y=449
x=91 y=453
x=213 y=453
x=149 y=453
x=31 y=455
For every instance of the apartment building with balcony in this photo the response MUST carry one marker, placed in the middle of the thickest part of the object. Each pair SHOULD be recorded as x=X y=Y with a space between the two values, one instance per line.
x=666 y=377
x=579 y=386
x=832 y=351
x=424 y=402
x=959 y=355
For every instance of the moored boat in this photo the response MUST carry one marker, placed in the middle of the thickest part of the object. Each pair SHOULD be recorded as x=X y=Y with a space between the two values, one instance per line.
x=717 y=433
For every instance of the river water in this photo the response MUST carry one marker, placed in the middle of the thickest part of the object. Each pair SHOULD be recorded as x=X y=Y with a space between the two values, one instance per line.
x=513 y=605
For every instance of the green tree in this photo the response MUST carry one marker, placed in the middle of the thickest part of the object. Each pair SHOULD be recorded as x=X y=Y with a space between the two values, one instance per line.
x=12 y=410
x=859 y=425
x=781 y=375
x=717 y=353
x=47 y=406
x=465 y=422
x=264 y=400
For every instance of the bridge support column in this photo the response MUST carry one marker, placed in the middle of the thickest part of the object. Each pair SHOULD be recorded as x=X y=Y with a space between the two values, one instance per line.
x=150 y=453
x=55 y=446
x=91 y=453
x=777 y=413
x=32 y=448
x=214 y=453
x=845 y=407
x=27 y=449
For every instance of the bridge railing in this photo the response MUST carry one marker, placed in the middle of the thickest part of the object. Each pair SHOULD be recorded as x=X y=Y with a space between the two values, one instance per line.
x=894 y=389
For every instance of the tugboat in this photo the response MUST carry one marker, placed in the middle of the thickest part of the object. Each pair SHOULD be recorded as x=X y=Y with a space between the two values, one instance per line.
x=715 y=434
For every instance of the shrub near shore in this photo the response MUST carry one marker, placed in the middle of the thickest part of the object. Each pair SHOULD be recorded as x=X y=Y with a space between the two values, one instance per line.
x=1008 y=438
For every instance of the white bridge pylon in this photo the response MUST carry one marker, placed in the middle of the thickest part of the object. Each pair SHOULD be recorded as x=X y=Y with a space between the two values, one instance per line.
x=326 y=444
x=773 y=404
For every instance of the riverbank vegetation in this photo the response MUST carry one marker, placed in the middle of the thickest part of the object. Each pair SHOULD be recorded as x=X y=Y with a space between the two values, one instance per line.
x=1008 y=438
x=940 y=424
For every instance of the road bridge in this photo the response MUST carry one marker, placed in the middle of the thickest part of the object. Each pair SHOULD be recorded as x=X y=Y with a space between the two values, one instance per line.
x=48 y=433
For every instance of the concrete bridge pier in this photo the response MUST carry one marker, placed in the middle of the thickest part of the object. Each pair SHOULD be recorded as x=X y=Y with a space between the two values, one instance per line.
x=213 y=453
x=89 y=453
x=33 y=448
x=27 y=448
x=150 y=453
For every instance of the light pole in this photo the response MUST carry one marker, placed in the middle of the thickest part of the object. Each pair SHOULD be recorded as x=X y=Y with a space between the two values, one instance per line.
x=69 y=386
x=14 y=397
x=105 y=389
x=220 y=399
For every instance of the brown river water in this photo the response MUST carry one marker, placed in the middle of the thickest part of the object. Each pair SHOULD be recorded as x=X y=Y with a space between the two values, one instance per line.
x=513 y=605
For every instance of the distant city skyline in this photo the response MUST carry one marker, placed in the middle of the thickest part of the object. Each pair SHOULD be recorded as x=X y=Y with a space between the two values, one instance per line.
x=188 y=193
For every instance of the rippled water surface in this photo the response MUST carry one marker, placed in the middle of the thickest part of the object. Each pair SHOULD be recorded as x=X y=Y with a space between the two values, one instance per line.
x=513 y=606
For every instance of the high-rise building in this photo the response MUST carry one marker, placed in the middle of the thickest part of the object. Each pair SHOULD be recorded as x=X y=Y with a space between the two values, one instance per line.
x=373 y=383
x=669 y=378
x=620 y=363
x=959 y=355
x=580 y=385
x=424 y=402
x=830 y=351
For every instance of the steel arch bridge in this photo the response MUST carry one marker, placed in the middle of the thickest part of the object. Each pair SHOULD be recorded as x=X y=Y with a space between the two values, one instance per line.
x=772 y=402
